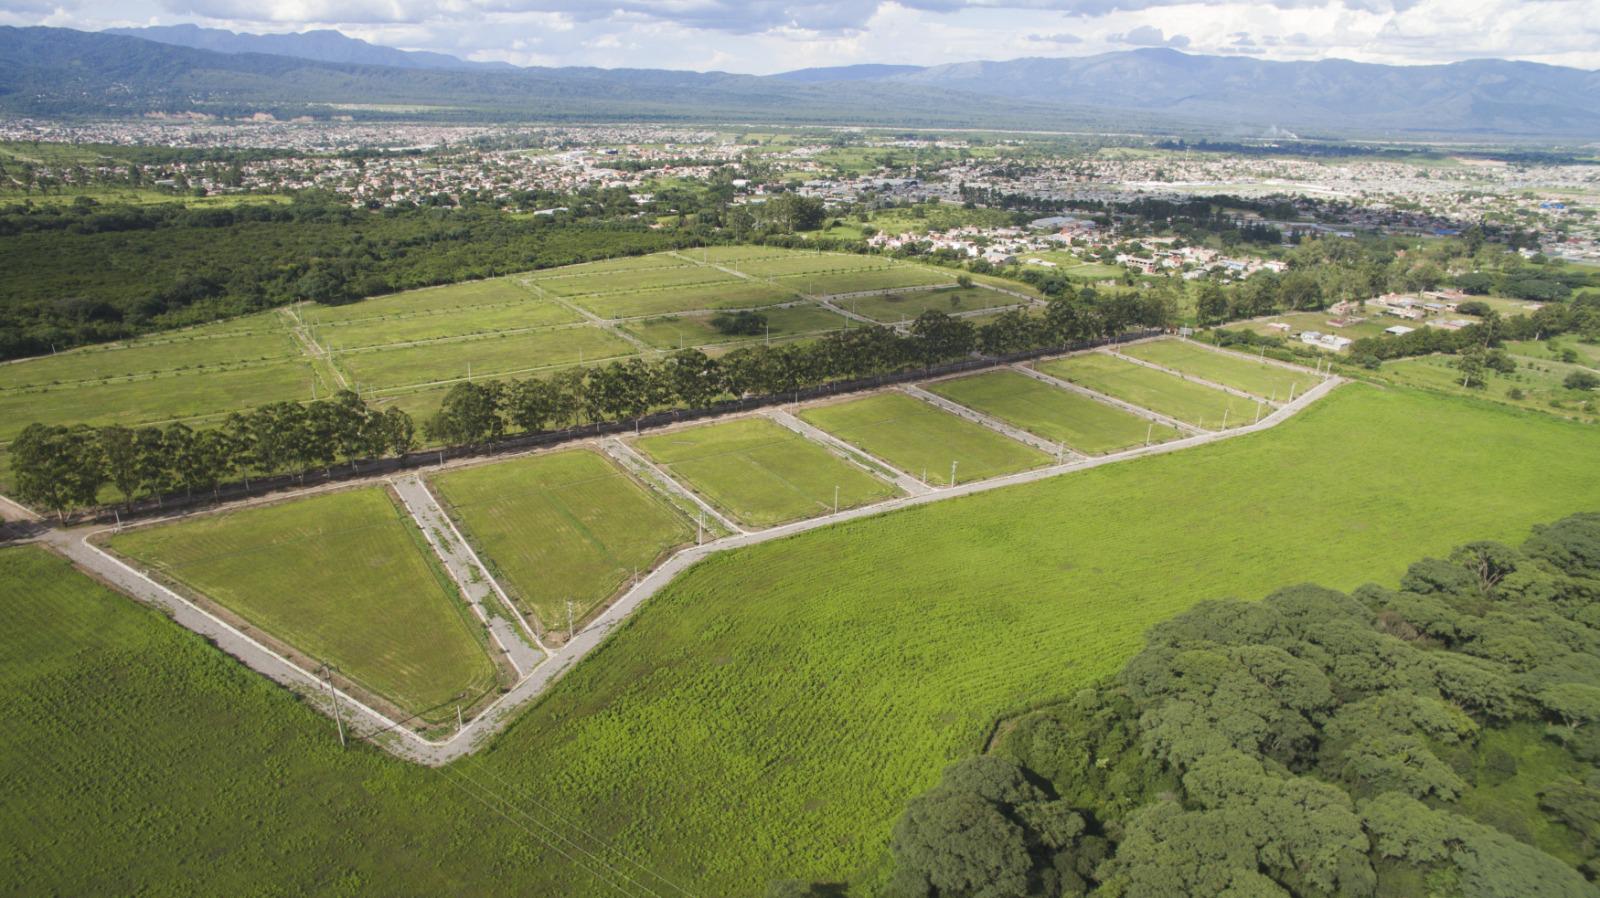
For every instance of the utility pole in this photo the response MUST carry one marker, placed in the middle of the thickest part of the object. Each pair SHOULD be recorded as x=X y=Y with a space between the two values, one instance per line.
x=1225 y=418
x=953 y=464
x=459 y=725
x=1149 y=431
x=1291 y=392
x=569 y=620
x=700 y=531
x=338 y=718
x=836 y=498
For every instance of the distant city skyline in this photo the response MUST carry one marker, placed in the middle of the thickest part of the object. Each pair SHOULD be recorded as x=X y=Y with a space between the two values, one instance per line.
x=767 y=36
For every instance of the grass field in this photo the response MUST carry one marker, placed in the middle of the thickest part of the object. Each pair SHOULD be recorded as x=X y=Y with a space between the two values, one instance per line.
x=1587 y=354
x=872 y=279
x=919 y=438
x=170 y=354
x=729 y=294
x=450 y=298
x=892 y=307
x=809 y=264
x=1084 y=424
x=559 y=526
x=1264 y=379
x=1539 y=381
x=764 y=717
x=429 y=362
x=343 y=577
x=1174 y=397
x=1319 y=322
x=634 y=280
x=676 y=331
x=476 y=320
x=623 y=263
x=761 y=472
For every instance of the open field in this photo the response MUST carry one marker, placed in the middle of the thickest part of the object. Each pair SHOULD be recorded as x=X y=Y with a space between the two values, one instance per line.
x=1539 y=381
x=450 y=298
x=891 y=307
x=559 y=526
x=627 y=281
x=429 y=362
x=1318 y=321
x=1174 y=397
x=761 y=472
x=1264 y=379
x=732 y=293
x=1553 y=350
x=728 y=255
x=797 y=263
x=170 y=353
x=344 y=578
x=1084 y=424
x=919 y=438
x=475 y=320
x=677 y=331
x=622 y=263
x=872 y=279
x=705 y=741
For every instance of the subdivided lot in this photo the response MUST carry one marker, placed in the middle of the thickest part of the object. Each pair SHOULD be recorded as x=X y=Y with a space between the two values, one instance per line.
x=1264 y=379
x=342 y=577
x=1158 y=391
x=1321 y=322
x=725 y=255
x=676 y=331
x=809 y=264
x=172 y=354
x=493 y=292
x=762 y=472
x=730 y=294
x=890 y=307
x=529 y=313
x=634 y=279
x=705 y=732
x=870 y=279
x=162 y=397
x=624 y=263
x=562 y=526
x=508 y=353
x=1087 y=425
x=922 y=439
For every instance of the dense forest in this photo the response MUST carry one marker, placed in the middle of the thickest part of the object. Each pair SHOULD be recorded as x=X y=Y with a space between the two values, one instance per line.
x=1435 y=739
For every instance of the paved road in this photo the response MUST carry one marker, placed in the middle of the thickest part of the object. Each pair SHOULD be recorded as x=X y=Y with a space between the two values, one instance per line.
x=370 y=724
x=514 y=637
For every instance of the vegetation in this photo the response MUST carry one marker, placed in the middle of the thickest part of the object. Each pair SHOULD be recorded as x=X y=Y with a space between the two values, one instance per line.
x=1158 y=391
x=344 y=578
x=1083 y=424
x=705 y=741
x=1315 y=744
x=761 y=472
x=923 y=440
x=1264 y=379
x=558 y=527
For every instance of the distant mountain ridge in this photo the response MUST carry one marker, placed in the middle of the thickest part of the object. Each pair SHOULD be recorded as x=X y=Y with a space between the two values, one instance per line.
x=59 y=71
x=321 y=46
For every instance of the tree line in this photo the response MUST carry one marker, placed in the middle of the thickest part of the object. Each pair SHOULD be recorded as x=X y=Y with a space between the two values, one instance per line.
x=61 y=467
x=1314 y=744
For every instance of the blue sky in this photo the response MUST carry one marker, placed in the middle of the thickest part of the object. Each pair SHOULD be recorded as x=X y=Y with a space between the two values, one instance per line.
x=763 y=36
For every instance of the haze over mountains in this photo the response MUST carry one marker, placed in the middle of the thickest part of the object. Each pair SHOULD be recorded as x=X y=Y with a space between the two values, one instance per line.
x=184 y=68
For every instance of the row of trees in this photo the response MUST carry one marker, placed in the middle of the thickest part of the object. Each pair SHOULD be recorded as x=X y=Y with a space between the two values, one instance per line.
x=1312 y=744
x=65 y=467
x=483 y=411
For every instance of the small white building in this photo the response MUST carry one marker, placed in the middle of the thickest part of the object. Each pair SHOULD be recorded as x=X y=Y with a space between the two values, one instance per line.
x=1331 y=342
x=1398 y=330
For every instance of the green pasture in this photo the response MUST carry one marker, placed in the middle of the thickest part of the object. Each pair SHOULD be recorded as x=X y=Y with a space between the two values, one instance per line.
x=892 y=307
x=343 y=577
x=922 y=439
x=1084 y=424
x=677 y=331
x=168 y=354
x=1174 y=397
x=730 y=294
x=449 y=298
x=799 y=263
x=629 y=280
x=425 y=363
x=561 y=526
x=1261 y=378
x=895 y=278
x=727 y=255
x=1555 y=349
x=762 y=472
x=466 y=322
x=1539 y=381
x=620 y=264
x=764 y=717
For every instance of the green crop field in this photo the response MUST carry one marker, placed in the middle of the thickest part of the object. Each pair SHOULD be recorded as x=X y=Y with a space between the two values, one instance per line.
x=919 y=438
x=677 y=331
x=175 y=352
x=767 y=715
x=730 y=294
x=809 y=264
x=428 y=362
x=343 y=577
x=1160 y=392
x=726 y=255
x=894 y=278
x=1084 y=424
x=890 y=307
x=1264 y=379
x=761 y=472
x=630 y=281
x=623 y=263
x=451 y=298
x=529 y=313
x=564 y=525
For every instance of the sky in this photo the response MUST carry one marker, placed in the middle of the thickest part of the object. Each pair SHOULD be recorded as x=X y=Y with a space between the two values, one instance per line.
x=766 y=36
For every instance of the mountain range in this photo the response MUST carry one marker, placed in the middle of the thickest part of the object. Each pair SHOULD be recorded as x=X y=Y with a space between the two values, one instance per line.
x=181 y=69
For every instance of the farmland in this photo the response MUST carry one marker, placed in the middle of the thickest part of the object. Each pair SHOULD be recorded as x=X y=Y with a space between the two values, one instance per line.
x=731 y=293
x=893 y=307
x=1083 y=424
x=761 y=472
x=1174 y=397
x=869 y=279
x=406 y=366
x=342 y=577
x=923 y=440
x=704 y=740
x=1261 y=378
x=559 y=526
